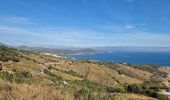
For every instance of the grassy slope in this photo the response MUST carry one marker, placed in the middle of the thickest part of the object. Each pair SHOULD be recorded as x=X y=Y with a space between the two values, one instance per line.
x=64 y=79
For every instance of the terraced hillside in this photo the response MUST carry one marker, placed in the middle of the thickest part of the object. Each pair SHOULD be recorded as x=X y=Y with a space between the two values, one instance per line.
x=28 y=75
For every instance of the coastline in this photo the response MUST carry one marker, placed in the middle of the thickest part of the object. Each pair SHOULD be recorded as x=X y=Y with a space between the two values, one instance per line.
x=86 y=53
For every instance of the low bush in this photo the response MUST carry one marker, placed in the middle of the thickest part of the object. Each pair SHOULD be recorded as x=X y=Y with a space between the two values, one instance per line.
x=71 y=72
x=119 y=89
x=50 y=67
x=18 y=77
x=46 y=71
x=81 y=92
x=135 y=88
x=15 y=59
x=92 y=86
x=53 y=77
x=7 y=54
x=120 y=72
x=34 y=80
x=144 y=89
x=23 y=74
x=155 y=94
x=4 y=59
x=6 y=76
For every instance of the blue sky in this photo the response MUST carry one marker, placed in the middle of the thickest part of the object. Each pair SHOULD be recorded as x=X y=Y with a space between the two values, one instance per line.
x=85 y=23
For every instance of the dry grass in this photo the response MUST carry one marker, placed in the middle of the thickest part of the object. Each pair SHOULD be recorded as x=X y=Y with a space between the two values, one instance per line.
x=22 y=65
x=66 y=76
x=10 y=91
x=97 y=73
x=120 y=78
x=135 y=73
x=129 y=96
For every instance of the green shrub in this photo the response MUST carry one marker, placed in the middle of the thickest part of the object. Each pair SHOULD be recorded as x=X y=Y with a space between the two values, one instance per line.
x=15 y=59
x=4 y=59
x=50 y=67
x=53 y=77
x=146 y=85
x=7 y=54
x=110 y=89
x=6 y=76
x=71 y=72
x=82 y=92
x=34 y=80
x=155 y=94
x=56 y=78
x=146 y=90
x=120 y=72
x=92 y=86
x=18 y=77
x=46 y=71
x=23 y=74
x=135 y=88
x=120 y=89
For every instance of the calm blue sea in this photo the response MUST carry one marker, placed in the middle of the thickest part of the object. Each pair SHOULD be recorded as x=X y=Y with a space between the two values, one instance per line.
x=158 y=58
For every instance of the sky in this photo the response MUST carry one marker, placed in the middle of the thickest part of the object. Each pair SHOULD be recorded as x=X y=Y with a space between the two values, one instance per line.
x=85 y=23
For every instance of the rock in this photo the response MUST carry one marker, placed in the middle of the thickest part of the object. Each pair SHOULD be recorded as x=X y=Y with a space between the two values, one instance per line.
x=65 y=83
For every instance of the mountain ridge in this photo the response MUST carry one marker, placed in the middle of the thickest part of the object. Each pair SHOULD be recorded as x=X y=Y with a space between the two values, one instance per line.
x=57 y=51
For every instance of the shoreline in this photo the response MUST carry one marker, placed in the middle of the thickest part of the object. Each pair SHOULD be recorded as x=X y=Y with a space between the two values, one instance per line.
x=84 y=53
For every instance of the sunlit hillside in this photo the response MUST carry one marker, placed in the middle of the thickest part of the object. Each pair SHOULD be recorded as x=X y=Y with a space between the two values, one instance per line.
x=28 y=75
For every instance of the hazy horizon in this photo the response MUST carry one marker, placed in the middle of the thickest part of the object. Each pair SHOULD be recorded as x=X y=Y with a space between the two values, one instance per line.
x=107 y=46
x=100 y=48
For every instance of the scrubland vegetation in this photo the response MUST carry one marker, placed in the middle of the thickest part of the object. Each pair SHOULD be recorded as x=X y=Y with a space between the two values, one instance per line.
x=40 y=77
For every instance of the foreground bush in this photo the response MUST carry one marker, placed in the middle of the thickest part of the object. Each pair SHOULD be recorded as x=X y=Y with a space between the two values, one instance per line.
x=144 y=90
x=135 y=88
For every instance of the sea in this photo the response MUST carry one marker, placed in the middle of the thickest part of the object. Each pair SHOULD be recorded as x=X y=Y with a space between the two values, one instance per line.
x=156 y=58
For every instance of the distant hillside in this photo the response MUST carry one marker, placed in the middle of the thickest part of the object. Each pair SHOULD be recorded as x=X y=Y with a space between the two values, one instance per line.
x=3 y=44
x=56 y=51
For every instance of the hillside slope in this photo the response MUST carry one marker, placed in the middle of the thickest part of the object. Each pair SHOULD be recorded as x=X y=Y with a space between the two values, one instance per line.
x=28 y=75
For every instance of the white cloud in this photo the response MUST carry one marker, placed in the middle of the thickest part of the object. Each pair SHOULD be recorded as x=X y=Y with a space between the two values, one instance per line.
x=76 y=37
x=130 y=26
x=14 y=30
x=16 y=20
x=133 y=26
